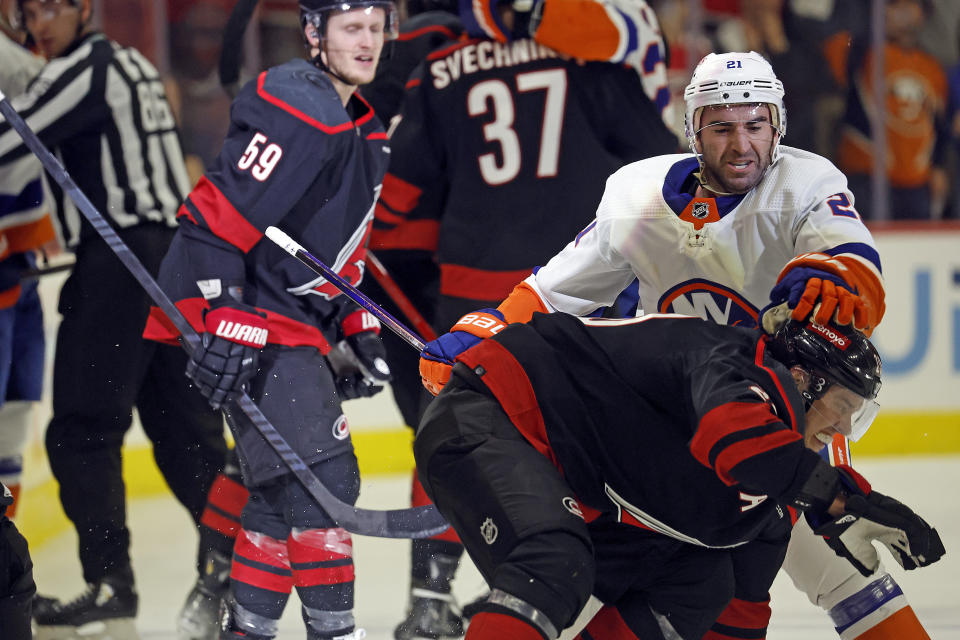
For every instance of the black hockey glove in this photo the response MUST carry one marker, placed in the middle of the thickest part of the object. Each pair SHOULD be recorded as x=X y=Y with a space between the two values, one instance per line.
x=870 y=516
x=229 y=351
x=359 y=360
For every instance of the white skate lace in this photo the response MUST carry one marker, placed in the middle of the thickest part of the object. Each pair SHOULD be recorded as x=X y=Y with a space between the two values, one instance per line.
x=81 y=599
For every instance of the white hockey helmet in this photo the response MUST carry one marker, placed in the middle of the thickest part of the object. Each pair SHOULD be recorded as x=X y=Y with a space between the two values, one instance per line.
x=734 y=78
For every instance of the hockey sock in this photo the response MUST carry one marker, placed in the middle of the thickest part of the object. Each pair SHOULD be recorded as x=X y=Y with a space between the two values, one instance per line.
x=741 y=618
x=902 y=624
x=260 y=575
x=220 y=520
x=322 y=565
x=607 y=623
x=488 y=625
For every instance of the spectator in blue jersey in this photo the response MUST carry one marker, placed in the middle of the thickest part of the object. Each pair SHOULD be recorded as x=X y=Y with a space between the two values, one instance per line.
x=101 y=108
x=306 y=153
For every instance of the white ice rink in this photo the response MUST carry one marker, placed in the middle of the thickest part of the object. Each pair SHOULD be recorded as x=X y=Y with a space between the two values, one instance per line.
x=164 y=543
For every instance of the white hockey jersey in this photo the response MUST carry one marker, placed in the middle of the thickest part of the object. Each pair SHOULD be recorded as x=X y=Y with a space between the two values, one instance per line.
x=715 y=258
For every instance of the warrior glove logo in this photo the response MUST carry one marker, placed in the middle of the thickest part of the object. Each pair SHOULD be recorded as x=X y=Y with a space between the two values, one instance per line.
x=242 y=333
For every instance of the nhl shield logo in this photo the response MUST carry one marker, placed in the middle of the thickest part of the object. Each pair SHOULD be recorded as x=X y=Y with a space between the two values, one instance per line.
x=700 y=210
x=489 y=531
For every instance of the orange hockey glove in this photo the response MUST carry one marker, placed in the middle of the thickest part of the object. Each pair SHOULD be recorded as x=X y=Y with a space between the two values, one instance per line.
x=830 y=288
x=438 y=355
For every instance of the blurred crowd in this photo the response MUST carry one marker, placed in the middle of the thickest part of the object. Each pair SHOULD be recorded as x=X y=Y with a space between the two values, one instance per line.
x=823 y=50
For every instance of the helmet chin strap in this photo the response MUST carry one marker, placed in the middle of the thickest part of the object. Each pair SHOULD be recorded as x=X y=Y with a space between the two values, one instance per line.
x=318 y=62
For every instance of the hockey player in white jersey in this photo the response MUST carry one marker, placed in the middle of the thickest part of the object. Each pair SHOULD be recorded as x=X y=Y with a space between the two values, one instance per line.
x=744 y=230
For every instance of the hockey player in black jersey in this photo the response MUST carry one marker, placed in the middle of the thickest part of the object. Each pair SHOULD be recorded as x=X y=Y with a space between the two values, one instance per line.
x=630 y=458
x=304 y=152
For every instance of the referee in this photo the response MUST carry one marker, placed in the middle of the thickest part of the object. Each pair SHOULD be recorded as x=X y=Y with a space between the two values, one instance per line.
x=101 y=108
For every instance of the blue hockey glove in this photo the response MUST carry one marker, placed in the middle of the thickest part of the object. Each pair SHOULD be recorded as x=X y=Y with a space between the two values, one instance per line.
x=229 y=352
x=438 y=355
x=870 y=516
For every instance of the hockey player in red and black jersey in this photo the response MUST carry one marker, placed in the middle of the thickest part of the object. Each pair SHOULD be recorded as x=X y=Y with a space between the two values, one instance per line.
x=499 y=149
x=632 y=458
x=306 y=153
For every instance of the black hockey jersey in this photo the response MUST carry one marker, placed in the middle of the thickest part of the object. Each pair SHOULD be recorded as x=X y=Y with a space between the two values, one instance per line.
x=501 y=156
x=419 y=35
x=671 y=423
x=296 y=159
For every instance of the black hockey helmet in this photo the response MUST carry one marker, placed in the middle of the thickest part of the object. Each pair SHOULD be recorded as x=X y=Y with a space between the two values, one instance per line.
x=316 y=12
x=832 y=355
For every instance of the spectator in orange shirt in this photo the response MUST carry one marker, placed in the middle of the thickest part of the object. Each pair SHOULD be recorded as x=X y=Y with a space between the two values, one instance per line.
x=913 y=110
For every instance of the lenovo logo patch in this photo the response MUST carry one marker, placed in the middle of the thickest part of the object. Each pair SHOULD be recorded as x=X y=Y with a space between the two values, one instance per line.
x=838 y=340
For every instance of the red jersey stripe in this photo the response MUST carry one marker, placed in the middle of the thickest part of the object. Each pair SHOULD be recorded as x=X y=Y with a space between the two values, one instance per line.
x=479 y=284
x=413 y=234
x=509 y=383
x=221 y=217
x=398 y=194
x=737 y=453
x=746 y=615
x=281 y=329
x=277 y=102
x=725 y=420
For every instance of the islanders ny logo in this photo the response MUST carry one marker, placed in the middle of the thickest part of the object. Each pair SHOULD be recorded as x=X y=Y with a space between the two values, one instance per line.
x=710 y=301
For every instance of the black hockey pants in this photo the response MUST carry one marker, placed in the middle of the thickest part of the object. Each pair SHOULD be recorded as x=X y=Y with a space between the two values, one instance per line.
x=102 y=369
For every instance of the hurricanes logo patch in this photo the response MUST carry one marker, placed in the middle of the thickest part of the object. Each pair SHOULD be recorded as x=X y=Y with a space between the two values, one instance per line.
x=340 y=428
x=489 y=531
x=571 y=505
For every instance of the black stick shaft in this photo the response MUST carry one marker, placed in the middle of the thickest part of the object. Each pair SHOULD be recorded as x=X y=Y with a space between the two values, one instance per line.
x=420 y=522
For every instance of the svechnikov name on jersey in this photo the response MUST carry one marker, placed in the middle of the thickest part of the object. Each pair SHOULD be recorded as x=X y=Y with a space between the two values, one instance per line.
x=482 y=55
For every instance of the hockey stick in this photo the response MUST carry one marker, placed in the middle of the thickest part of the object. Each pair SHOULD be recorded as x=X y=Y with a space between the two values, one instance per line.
x=229 y=68
x=39 y=272
x=418 y=522
x=399 y=298
x=292 y=247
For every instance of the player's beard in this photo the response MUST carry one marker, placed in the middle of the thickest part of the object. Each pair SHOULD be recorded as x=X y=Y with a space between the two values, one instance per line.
x=715 y=181
x=344 y=66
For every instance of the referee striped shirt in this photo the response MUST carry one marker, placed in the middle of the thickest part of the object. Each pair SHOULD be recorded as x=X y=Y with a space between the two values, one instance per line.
x=102 y=110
